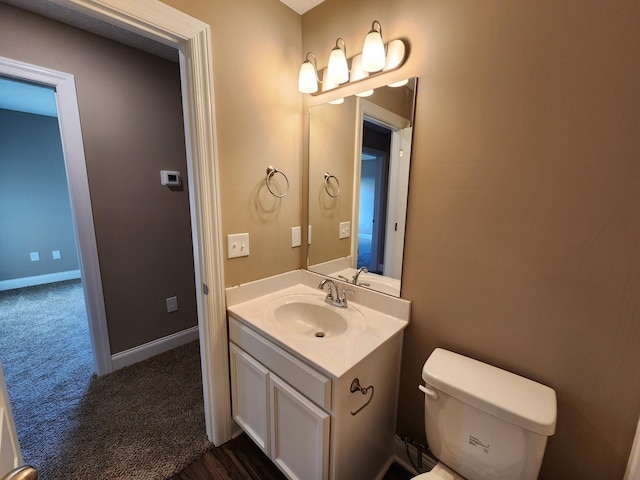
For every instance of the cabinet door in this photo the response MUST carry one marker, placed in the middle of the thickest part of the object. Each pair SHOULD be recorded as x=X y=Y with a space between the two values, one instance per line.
x=299 y=433
x=250 y=396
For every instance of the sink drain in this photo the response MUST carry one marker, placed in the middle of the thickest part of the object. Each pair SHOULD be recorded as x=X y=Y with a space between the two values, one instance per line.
x=319 y=334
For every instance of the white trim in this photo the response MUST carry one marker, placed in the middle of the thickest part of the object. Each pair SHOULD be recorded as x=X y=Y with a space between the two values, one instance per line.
x=81 y=212
x=153 y=348
x=38 y=280
x=158 y=21
x=633 y=467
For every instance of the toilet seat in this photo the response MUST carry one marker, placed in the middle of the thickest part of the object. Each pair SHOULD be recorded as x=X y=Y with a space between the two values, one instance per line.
x=439 y=472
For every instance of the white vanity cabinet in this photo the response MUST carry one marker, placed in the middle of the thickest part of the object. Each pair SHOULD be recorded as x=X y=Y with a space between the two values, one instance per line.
x=303 y=419
x=289 y=428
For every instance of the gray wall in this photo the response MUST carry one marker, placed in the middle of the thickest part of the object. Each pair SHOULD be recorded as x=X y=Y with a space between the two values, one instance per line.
x=131 y=115
x=35 y=214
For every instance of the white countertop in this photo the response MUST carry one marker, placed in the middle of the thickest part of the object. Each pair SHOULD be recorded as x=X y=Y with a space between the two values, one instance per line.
x=384 y=317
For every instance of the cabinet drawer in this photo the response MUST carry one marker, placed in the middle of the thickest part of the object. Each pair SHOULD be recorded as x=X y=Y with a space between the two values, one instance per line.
x=303 y=378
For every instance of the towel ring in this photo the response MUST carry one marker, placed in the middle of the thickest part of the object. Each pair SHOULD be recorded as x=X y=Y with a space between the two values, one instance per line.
x=271 y=171
x=356 y=387
x=327 y=177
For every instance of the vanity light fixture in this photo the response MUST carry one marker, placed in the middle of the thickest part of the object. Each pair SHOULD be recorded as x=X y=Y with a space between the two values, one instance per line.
x=338 y=70
x=373 y=54
x=308 y=77
x=376 y=58
x=357 y=73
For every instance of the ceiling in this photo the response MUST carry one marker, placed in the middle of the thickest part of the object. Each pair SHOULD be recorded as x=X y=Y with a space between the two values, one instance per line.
x=301 y=6
x=84 y=22
x=28 y=98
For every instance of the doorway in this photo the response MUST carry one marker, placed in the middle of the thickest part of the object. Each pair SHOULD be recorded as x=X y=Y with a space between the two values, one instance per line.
x=374 y=191
x=158 y=21
x=39 y=246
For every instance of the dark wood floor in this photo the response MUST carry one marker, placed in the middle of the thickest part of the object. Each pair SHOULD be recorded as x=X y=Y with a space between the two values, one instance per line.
x=241 y=459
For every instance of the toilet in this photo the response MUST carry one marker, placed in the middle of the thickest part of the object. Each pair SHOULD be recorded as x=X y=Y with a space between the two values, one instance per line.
x=483 y=422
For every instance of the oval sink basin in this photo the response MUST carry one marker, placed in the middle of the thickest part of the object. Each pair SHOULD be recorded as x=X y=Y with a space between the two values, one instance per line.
x=310 y=316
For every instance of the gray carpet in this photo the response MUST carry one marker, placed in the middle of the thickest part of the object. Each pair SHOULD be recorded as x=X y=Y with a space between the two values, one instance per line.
x=143 y=422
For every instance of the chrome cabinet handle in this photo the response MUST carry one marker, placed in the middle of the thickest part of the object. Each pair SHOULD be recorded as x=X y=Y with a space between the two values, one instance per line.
x=22 y=473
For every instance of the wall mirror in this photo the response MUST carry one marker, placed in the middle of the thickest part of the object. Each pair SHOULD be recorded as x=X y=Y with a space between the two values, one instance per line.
x=359 y=158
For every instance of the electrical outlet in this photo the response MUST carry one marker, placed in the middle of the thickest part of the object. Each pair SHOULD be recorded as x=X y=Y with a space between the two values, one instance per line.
x=345 y=229
x=35 y=256
x=55 y=254
x=172 y=304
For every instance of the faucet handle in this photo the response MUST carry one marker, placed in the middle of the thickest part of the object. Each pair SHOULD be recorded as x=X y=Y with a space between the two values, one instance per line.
x=343 y=297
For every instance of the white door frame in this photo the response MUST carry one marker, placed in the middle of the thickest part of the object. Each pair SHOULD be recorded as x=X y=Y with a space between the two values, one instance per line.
x=73 y=152
x=158 y=21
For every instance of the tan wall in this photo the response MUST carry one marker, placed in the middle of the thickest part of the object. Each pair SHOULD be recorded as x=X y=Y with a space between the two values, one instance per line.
x=131 y=114
x=523 y=226
x=256 y=57
x=332 y=149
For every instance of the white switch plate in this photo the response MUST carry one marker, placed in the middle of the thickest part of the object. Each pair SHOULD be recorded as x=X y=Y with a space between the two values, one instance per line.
x=309 y=235
x=345 y=229
x=172 y=304
x=55 y=254
x=35 y=256
x=296 y=236
x=238 y=245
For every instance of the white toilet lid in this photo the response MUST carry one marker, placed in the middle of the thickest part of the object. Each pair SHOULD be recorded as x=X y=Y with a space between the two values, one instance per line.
x=439 y=472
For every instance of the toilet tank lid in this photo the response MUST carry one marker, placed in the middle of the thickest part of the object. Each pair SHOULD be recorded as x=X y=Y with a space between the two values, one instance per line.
x=508 y=396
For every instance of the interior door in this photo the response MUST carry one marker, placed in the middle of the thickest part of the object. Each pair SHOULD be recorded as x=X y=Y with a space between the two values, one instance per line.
x=10 y=456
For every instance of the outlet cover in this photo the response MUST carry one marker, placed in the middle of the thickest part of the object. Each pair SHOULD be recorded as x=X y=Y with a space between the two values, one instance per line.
x=345 y=229
x=238 y=245
x=35 y=256
x=55 y=254
x=172 y=304
x=296 y=236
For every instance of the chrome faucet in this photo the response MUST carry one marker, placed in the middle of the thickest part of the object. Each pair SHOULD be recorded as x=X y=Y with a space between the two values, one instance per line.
x=334 y=297
x=360 y=270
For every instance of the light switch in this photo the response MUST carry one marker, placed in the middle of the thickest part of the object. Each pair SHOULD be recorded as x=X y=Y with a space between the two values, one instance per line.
x=296 y=236
x=345 y=229
x=238 y=245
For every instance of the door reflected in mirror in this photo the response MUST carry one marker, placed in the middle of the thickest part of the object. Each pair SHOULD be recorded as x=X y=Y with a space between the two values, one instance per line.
x=359 y=161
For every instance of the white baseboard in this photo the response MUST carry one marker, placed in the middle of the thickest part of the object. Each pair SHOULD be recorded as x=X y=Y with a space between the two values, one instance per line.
x=151 y=349
x=400 y=456
x=38 y=280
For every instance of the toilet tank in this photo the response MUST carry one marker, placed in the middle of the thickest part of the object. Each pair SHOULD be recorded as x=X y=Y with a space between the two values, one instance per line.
x=484 y=422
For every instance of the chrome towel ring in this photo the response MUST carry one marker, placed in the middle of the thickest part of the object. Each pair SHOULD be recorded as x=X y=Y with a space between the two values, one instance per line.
x=271 y=171
x=327 y=178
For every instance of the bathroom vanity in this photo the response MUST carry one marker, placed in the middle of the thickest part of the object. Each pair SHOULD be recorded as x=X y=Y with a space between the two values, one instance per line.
x=315 y=386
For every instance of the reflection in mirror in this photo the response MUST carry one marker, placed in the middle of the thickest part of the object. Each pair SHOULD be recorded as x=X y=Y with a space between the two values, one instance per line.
x=359 y=156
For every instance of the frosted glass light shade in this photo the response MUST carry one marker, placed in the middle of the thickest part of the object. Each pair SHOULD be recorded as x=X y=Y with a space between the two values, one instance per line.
x=307 y=79
x=337 y=70
x=373 y=55
x=356 y=69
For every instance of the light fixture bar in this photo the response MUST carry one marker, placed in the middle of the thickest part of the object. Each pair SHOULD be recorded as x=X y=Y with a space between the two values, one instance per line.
x=376 y=58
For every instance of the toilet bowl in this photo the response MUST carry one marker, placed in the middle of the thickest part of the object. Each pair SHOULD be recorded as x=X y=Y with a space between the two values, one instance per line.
x=439 y=472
